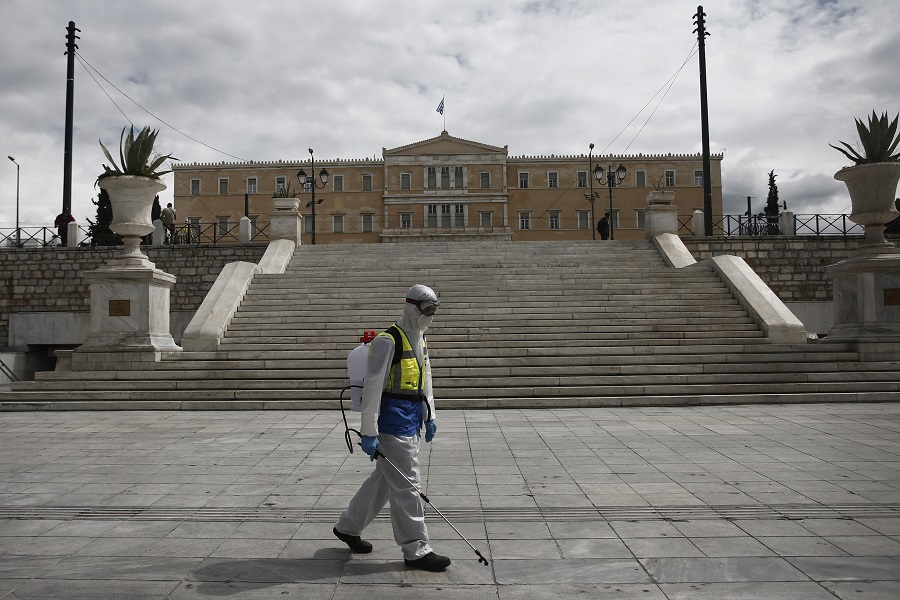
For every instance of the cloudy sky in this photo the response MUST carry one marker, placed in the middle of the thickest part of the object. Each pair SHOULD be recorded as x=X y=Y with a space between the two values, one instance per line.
x=225 y=80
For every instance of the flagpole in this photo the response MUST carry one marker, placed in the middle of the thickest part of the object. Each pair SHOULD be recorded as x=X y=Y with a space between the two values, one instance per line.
x=444 y=112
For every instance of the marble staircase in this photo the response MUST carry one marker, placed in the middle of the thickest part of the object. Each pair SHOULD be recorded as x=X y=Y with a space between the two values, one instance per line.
x=524 y=324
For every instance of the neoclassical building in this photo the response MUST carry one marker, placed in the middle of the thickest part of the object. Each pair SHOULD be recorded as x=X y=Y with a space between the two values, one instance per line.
x=444 y=188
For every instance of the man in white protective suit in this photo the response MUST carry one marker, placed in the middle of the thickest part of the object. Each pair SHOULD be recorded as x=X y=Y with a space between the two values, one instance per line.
x=397 y=400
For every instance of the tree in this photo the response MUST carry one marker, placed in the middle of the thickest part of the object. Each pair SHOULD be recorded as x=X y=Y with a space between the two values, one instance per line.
x=772 y=208
x=155 y=210
x=101 y=234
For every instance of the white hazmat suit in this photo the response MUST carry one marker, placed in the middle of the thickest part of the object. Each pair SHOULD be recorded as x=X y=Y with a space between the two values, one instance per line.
x=385 y=483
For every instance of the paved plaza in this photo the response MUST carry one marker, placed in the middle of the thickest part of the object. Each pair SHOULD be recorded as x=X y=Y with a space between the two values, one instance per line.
x=799 y=502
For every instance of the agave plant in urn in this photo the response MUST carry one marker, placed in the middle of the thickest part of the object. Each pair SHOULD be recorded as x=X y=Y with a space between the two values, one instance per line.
x=872 y=181
x=132 y=185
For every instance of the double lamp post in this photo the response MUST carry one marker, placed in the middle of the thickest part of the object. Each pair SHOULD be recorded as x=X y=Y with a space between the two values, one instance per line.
x=310 y=182
x=613 y=178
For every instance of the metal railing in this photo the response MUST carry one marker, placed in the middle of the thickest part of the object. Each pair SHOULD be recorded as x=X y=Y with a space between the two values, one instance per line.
x=761 y=225
x=38 y=237
x=210 y=234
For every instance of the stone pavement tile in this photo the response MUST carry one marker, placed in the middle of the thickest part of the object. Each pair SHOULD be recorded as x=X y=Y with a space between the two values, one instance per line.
x=593 y=548
x=722 y=570
x=251 y=591
x=865 y=590
x=264 y=530
x=438 y=529
x=569 y=571
x=250 y=548
x=622 y=591
x=601 y=500
x=846 y=568
x=116 y=547
x=532 y=548
x=130 y=500
x=715 y=547
x=25 y=566
x=866 y=545
x=517 y=530
x=883 y=525
x=395 y=572
x=562 y=500
x=27 y=527
x=267 y=570
x=746 y=591
x=83 y=528
x=121 y=568
x=204 y=529
x=183 y=547
x=800 y=546
x=64 y=589
x=772 y=527
x=645 y=529
x=151 y=529
x=583 y=529
x=662 y=547
x=835 y=527
x=182 y=501
x=423 y=591
x=250 y=501
x=319 y=550
x=44 y=546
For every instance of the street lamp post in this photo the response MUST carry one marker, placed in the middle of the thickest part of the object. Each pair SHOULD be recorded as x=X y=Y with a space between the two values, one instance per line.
x=311 y=182
x=592 y=195
x=613 y=179
x=18 y=233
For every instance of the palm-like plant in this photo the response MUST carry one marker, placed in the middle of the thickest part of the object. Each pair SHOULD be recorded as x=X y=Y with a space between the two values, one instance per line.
x=879 y=141
x=135 y=156
x=285 y=191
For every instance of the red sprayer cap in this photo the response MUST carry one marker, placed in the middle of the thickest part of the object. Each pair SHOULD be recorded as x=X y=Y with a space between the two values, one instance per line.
x=367 y=337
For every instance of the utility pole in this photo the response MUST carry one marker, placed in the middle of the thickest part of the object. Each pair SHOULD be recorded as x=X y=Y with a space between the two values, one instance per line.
x=70 y=110
x=704 y=122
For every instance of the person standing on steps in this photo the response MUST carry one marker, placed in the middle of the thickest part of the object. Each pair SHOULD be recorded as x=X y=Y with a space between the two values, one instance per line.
x=603 y=227
x=397 y=400
x=168 y=217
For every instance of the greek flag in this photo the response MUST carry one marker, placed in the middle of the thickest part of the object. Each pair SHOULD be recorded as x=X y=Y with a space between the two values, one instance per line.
x=440 y=107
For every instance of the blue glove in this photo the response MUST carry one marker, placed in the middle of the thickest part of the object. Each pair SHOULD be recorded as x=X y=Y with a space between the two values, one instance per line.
x=430 y=430
x=369 y=445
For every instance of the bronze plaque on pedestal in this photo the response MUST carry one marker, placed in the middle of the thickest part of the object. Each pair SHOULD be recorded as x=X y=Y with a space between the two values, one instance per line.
x=120 y=308
x=892 y=297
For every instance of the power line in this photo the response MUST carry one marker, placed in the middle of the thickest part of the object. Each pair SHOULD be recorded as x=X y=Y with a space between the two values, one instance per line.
x=172 y=127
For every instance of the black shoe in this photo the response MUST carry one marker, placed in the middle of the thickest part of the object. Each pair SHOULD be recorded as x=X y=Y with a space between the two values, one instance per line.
x=356 y=543
x=430 y=562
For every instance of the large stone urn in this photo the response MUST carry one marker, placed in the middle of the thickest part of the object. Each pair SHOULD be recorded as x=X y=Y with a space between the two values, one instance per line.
x=129 y=295
x=872 y=188
x=661 y=215
x=866 y=286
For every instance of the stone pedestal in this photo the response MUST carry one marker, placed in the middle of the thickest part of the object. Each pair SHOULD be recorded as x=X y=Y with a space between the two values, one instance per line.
x=661 y=215
x=286 y=221
x=129 y=319
x=867 y=303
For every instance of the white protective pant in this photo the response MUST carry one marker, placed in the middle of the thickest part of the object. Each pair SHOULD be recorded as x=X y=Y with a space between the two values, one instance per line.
x=386 y=484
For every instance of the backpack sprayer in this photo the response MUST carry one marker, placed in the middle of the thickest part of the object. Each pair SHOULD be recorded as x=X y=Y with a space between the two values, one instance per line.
x=357 y=363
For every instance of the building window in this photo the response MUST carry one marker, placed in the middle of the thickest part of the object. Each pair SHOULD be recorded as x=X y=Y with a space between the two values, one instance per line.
x=485 y=180
x=670 y=178
x=432 y=215
x=582 y=179
x=458 y=178
x=553 y=220
x=641 y=217
x=405 y=220
x=367 y=183
x=405 y=181
x=553 y=179
x=459 y=215
x=614 y=218
x=338 y=183
x=195 y=187
x=307 y=223
x=584 y=219
x=523 y=180
x=337 y=223
x=432 y=178
x=223 y=226
x=279 y=184
x=193 y=230
x=367 y=221
x=223 y=185
x=445 y=178
x=698 y=178
x=640 y=178
x=254 y=227
x=445 y=215
x=486 y=219
x=524 y=220
x=251 y=185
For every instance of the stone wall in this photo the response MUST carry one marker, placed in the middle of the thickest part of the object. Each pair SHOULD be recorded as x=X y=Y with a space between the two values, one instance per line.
x=52 y=279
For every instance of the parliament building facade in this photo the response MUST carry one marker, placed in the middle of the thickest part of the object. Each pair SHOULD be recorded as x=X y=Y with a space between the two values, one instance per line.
x=445 y=188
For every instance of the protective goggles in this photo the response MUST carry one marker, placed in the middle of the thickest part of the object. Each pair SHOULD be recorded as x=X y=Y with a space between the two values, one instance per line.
x=426 y=307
